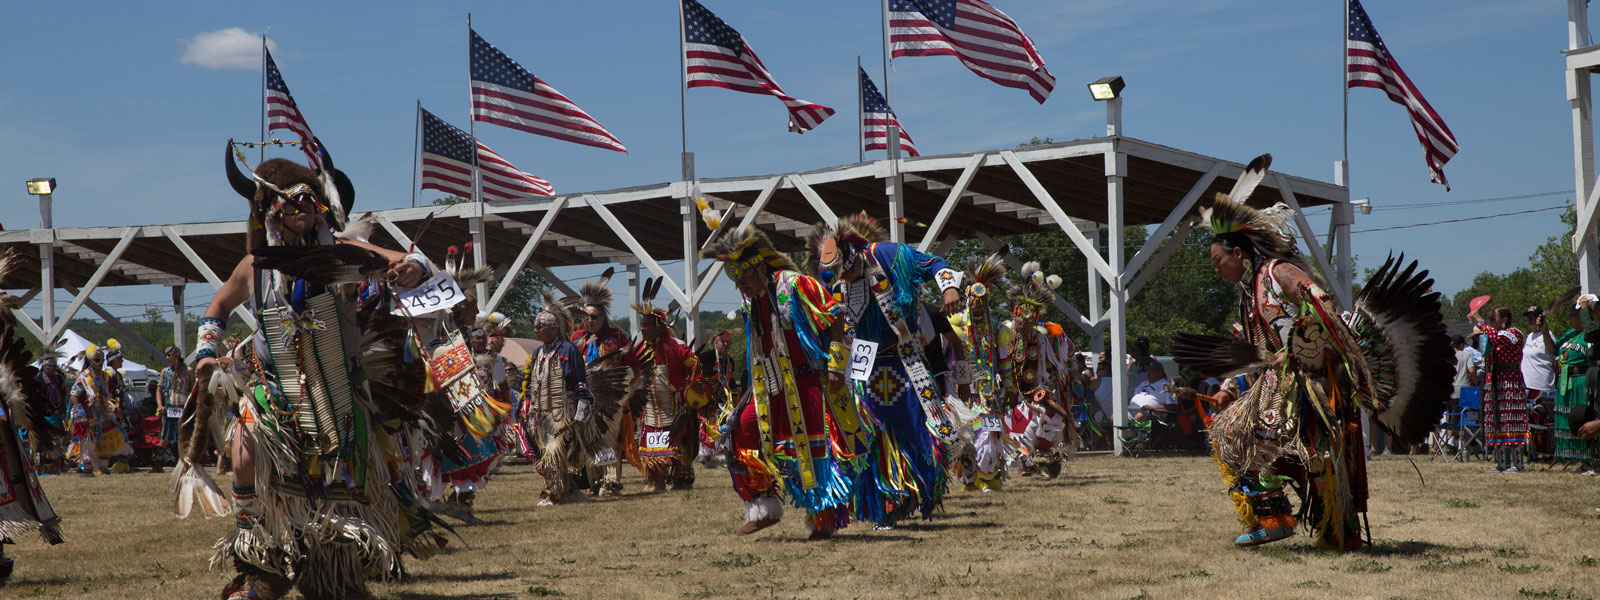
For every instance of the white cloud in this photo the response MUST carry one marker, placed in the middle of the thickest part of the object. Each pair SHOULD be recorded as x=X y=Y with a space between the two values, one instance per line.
x=227 y=48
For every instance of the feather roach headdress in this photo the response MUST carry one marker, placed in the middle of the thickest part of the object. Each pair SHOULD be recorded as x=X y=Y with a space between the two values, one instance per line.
x=1267 y=233
x=1033 y=288
x=834 y=250
x=647 y=305
x=553 y=313
x=113 y=349
x=986 y=276
x=745 y=249
x=598 y=293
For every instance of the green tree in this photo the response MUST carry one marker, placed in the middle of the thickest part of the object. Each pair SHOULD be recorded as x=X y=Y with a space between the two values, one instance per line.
x=1551 y=272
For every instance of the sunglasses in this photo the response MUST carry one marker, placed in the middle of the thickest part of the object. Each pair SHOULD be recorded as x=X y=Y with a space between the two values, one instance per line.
x=591 y=317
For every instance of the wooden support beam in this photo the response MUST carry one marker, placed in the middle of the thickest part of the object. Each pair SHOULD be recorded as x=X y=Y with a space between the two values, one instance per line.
x=1309 y=236
x=206 y=272
x=1178 y=214
x=937 y=226
x=821 y=207
x=527 y=251
x=112 y=320
x=1090 y=253
x=1160 y=259
x=638 y=249
x=1060 y=303
x=94 y=282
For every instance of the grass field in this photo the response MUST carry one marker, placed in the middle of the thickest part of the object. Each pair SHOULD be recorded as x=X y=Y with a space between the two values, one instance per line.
x=1110 y=528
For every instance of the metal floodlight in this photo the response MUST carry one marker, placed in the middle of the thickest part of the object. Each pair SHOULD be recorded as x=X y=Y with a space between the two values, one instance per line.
x=1365 y=204
x=40 y=186
x=1106 y=88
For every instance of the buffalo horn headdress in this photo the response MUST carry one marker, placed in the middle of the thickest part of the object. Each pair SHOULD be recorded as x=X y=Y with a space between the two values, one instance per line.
x=273 y=184
x=745 y=249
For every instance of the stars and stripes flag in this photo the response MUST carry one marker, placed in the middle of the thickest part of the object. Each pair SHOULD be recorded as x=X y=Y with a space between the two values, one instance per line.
x=447 y=165
x=1368 y=63
x=876 y=117
x=282 y=113
x=717 y=56
x=505 y=94
x=985 y=40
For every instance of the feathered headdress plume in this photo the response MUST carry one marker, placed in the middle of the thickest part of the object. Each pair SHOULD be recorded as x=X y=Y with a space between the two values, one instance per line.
x=986 y=275
x=598 y=293
x=1033 y=287
x=554 y=313
x=745 y=249
x=647 y=307
x=711 y=216
x=833 y=249
x=1267 y=231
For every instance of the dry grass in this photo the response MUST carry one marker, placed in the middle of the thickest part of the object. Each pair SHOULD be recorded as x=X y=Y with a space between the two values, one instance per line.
x=1111 y=528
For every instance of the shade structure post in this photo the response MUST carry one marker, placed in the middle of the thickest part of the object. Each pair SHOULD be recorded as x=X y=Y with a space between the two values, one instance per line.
x=687 y=210
x=480 y=250
x=47 y=264
x=178 y=325
x=1116 y=175
x=895 y=189
x=1579 y=94
x=633 y=296
x=1097 y=339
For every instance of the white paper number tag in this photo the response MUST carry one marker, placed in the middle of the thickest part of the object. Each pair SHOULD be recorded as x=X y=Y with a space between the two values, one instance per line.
x=990 y=423
x=862 y=354
x=605 y=457
x=175 y=412
x=437 y=293
x=657 y=439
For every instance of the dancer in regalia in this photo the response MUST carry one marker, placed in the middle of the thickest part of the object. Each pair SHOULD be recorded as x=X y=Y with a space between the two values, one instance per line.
x=1035 y=357
x=603 y=346
x=668 y=430
x=324 y=489
x=557 y=406
x=985 y=398
x=25 y=404
x=97 y=436
x=880 y=283
x=1298 y=425
x=782 y=437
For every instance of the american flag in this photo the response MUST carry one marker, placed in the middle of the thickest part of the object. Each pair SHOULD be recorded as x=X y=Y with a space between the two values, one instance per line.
x=876 y=117
x=283 y=114
x=986 y=40
x=1368 y=63
x=717 y=56
x=505 y=94
x=447 y=166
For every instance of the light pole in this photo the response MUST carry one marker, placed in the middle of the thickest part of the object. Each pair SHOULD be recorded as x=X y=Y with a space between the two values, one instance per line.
x=43 y=187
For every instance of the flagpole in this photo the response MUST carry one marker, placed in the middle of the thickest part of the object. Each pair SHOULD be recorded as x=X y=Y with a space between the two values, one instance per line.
x=888 y=61
x=416 y=152
x=472 y=124
x=1344 y=80
x=861 y=116
x=261 y=155
x=683 y=83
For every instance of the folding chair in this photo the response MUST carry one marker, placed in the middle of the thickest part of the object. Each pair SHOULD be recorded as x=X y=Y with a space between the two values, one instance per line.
x=1448 y=433
x=1470 y=424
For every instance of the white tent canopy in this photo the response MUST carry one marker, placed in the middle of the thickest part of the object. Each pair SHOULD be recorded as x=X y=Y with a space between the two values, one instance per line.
x=72 y=346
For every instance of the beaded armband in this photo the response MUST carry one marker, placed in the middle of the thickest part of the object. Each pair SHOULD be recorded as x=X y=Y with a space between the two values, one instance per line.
x=208 y=337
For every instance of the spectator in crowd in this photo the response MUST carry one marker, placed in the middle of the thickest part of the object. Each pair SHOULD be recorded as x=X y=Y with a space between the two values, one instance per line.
x=1102 y=390
x=56 y=389
x=1505 y=400
x=1538 y=356
x=171 y=386
x=1137 y=356
x=1155 y=393
x=1573 y=359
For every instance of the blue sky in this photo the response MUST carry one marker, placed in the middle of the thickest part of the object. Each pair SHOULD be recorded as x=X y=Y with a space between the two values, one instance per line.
x=99 y=95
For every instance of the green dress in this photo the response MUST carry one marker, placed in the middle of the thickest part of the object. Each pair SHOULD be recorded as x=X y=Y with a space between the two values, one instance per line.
x=1572 y=359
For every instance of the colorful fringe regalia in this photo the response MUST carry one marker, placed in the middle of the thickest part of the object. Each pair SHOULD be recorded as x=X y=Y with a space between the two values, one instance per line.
x=1035 y=358
x=989 y=403
x=555 y=405
x=334 y=499
x=1572 y=390
x=785 y=435
x=1299 y=423
x=604 y=350
x=25 y=404
x=96 y=435
x=907 y=474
